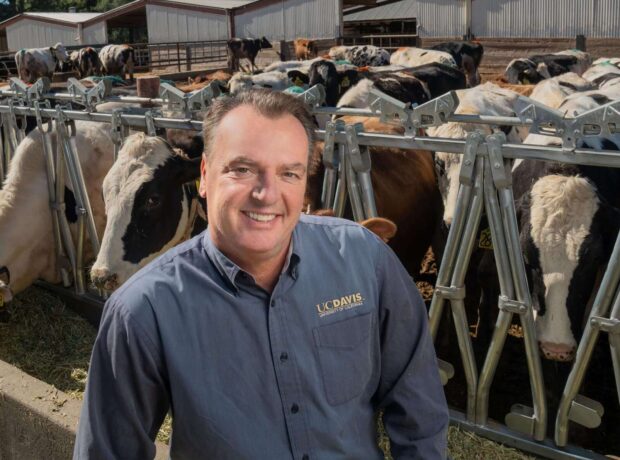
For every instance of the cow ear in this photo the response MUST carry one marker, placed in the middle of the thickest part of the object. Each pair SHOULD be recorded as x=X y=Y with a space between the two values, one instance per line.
x=383 y=228
x=188 y=169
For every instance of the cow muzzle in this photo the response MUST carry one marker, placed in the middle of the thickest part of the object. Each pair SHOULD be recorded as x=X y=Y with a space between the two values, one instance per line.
x=558 y=351
x=103 y=279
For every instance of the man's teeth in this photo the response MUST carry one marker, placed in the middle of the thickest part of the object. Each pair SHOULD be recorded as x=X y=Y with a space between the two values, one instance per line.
x=261 y=217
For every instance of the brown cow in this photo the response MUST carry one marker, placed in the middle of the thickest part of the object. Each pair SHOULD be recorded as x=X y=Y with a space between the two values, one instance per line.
x=305 y=49
x=406 y=193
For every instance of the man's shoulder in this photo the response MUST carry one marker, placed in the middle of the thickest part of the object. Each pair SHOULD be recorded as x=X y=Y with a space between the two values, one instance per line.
x=161 y=271
x=336 y=228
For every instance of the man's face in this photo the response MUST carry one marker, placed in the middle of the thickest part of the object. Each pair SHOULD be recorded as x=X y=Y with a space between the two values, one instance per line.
x=254 y=182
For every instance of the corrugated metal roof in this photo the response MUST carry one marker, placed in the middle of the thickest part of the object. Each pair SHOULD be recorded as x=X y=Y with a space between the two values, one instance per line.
x=228 y=4
x=65 y=17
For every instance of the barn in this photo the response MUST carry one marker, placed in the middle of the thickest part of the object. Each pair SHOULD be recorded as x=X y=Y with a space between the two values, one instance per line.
x=34 y=30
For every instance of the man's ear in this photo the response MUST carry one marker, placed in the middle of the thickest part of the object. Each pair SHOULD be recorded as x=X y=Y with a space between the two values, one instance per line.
x=202 y=188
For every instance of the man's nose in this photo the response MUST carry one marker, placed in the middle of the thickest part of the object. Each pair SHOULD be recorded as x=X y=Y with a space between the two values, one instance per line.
x=267 y=188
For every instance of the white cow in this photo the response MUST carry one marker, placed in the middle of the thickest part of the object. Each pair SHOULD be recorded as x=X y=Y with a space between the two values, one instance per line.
x=413 y=57
x=553 y=91
x=34 y=63
x=26 y=240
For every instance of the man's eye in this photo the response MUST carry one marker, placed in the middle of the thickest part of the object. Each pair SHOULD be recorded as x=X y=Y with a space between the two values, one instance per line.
x=241 y=170
x=291 y=175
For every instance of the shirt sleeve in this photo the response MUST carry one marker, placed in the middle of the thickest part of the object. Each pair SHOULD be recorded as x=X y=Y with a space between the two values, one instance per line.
x=126 y=396
x=410 y=391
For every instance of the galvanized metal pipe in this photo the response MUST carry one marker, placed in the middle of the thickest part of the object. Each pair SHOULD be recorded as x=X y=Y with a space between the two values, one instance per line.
x=586 y=345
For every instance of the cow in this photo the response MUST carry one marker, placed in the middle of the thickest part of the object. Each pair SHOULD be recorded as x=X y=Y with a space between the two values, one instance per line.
x=87 y=62
x=247 y=48
x=360 y=55
x=535 y=68
x=70 y=64
x=27 y=251
x=467 y=56
x=277 y=81
x=553 y=91
x=602 y=73
x=336 y=79
x=305 y=49
x=399 y=85
x=34 y=63
x=487 y=99
x=414 y=57
x=150 y=207
x=117 y=60
x=222 y=76
x=569 y=219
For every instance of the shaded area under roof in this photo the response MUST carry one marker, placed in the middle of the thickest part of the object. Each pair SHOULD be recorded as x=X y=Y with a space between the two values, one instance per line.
x=388 y=9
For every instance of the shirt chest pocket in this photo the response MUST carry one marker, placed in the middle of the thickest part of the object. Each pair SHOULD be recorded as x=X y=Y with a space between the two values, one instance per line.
x=345 y=356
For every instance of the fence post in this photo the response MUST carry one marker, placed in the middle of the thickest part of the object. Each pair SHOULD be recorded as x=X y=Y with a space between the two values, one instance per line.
x=188 y=57
x=179 y=56
x=283 y=50
x=580 y=42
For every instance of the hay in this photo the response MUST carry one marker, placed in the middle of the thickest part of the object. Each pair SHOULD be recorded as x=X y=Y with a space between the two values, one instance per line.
x=46 y=340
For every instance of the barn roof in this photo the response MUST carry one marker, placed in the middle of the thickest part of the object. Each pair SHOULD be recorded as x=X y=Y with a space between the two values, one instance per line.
x=55 y=18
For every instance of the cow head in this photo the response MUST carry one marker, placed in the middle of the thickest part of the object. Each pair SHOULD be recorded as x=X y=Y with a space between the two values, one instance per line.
x=525 y=71
x=149 y=210
x=59 y=52
x=566 y=235
x=336 y=82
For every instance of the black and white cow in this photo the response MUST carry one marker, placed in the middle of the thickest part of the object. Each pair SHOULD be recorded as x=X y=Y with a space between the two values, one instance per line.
x=569 y=221
x=553 y=91
x=151 y=206
x=87 y=62
x=360 y=55
x=34 y=63
x=411 y=56
x=27 y=249
x=117 y=60
x=247 y=48
x=337 y=80
x=535 y=68
x=467 y=56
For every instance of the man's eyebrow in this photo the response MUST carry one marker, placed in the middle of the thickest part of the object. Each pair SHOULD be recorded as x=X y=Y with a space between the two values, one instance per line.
x=243 y=160
x=295 y=166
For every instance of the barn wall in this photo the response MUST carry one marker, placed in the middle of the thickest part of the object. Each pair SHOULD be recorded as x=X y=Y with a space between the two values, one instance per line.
x=549 y=18
x=436 y=18
x=167 y=25
x=95 y=34
x=37 y=34
x=291 y=19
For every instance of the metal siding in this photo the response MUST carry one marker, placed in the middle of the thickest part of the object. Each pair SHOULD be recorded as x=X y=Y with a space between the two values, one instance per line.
x=36 y=34
x=546 y=19
x=174 y=24
x=95 y=34
x=302 y=18
x=436 y=18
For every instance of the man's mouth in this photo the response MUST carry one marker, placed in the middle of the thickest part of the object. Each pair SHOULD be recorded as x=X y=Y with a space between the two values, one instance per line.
x=260 y=217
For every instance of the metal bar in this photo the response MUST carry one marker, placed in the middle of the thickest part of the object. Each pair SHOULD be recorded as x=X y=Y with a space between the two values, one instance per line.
x=602 y=301
x=341 y=186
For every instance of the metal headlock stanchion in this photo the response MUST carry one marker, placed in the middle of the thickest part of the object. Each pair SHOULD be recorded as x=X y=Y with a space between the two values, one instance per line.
x=485 y=178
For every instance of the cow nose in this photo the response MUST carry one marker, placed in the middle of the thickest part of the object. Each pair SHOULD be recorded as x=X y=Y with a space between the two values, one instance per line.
x=557 y=351
x=103 y=279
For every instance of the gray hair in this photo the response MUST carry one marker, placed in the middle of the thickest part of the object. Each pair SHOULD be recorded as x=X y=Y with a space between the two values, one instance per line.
x=270 y=104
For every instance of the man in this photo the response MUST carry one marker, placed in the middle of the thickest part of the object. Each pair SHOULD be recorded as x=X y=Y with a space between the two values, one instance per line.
x=269 y=336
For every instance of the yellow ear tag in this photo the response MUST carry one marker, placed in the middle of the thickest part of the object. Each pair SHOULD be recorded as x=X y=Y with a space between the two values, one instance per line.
x=485 y=239
x=345 y=82
x=298 y=82
x=526 y=81
x=197 y=184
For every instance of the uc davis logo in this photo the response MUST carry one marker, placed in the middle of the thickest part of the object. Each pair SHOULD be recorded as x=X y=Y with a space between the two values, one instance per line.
x=342 y=303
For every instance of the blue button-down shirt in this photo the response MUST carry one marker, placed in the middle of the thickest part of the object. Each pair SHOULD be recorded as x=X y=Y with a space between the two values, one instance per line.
x=295 y=374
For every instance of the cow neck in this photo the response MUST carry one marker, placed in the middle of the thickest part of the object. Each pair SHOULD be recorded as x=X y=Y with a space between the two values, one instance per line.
x=195 y=210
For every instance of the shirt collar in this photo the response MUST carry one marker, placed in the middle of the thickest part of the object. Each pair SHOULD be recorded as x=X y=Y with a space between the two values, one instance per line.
x=230 y=270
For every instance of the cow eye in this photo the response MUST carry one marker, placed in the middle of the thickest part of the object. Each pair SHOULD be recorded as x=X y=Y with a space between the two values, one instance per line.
x=153 y=201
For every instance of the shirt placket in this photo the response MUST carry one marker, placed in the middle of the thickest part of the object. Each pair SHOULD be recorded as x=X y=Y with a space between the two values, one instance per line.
x=288 y=387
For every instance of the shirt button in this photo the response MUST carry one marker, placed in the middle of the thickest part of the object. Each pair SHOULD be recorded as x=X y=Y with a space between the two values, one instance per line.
x=284 y=356
x=273 y=303
x=294 y=408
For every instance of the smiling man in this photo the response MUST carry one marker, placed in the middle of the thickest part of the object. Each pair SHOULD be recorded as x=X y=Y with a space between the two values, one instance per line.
x=272 y=335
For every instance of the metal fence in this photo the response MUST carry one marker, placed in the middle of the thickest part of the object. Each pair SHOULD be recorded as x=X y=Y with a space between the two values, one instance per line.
x=485 y=180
